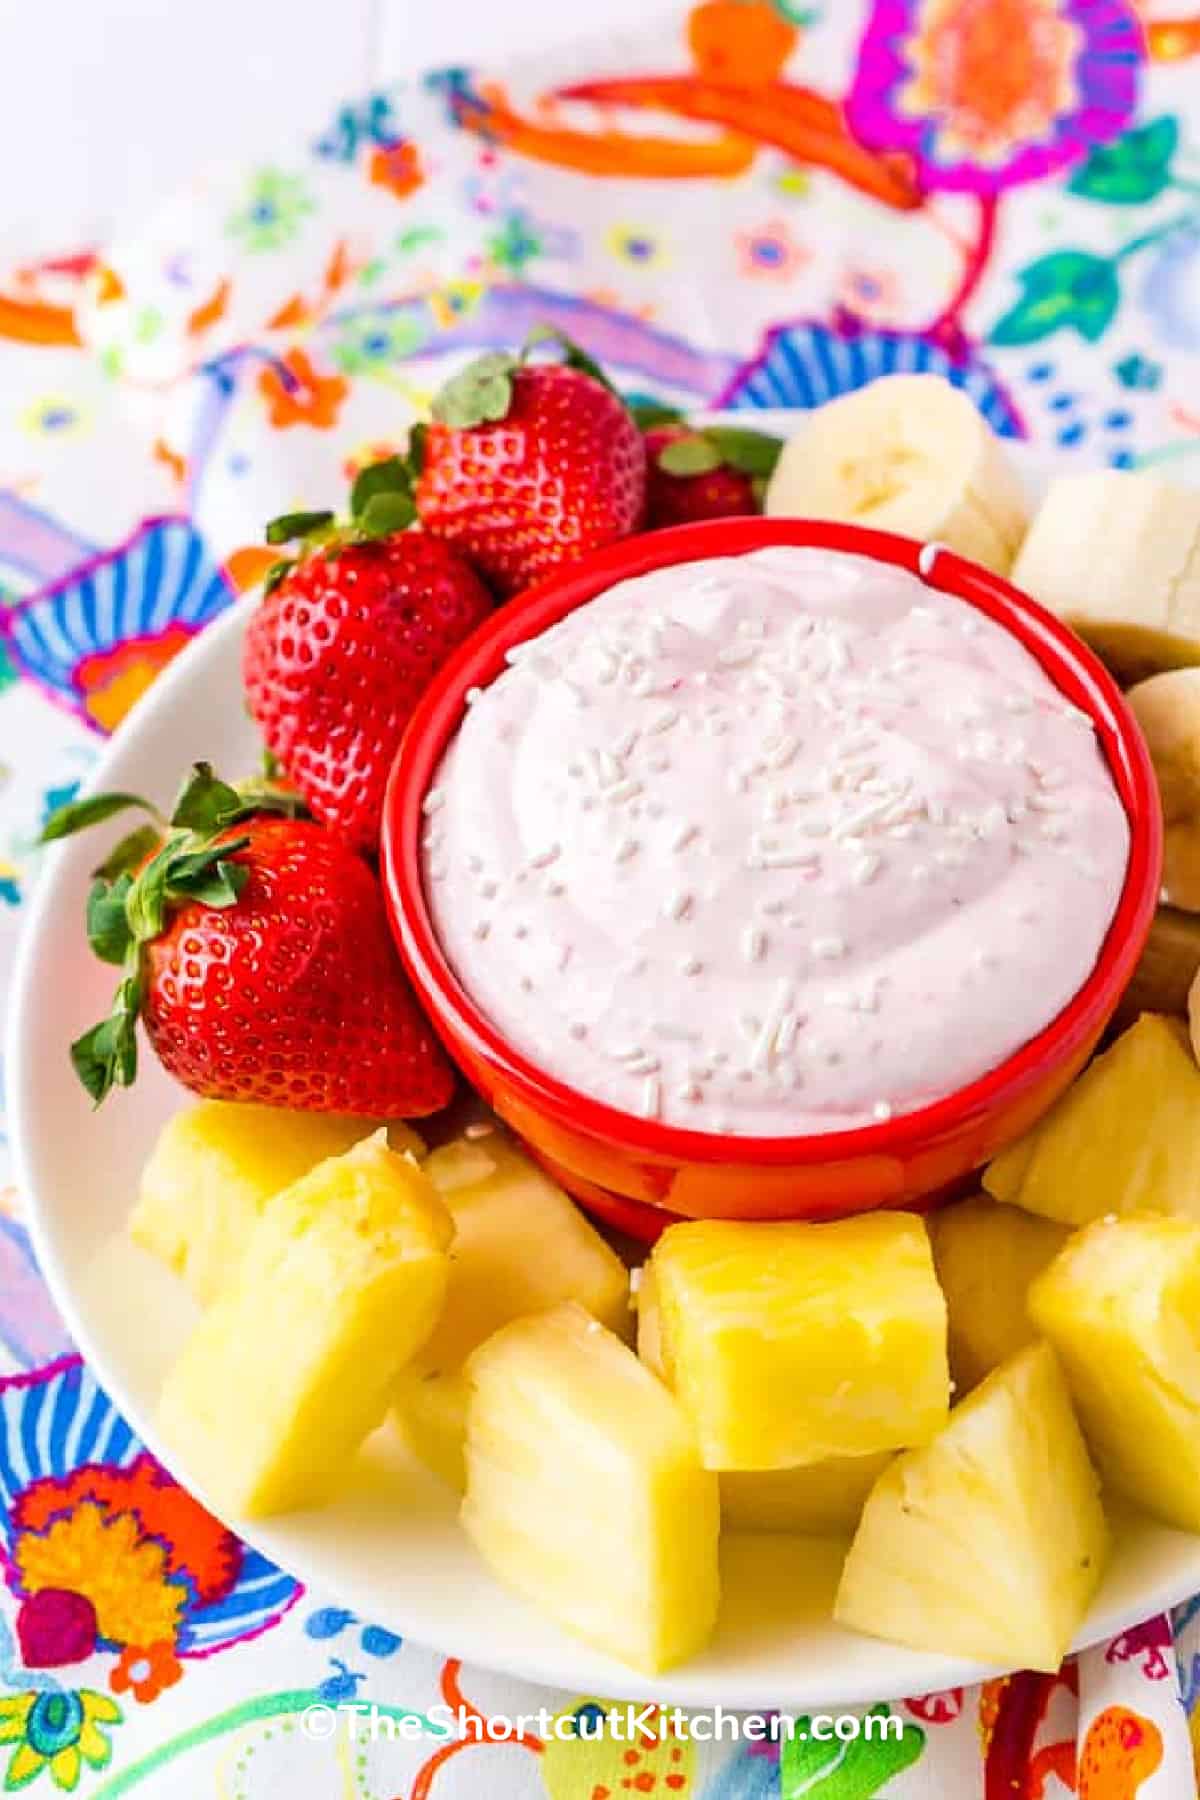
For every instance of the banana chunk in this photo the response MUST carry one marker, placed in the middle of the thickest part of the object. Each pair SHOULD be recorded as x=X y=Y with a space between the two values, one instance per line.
x=909 y=453
x=1117 y=556
x=1167 y=707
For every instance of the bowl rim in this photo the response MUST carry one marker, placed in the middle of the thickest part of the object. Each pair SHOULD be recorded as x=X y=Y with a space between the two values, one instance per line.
x=1071 y=666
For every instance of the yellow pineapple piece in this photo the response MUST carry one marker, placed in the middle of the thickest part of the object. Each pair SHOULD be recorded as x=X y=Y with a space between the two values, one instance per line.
x=986 y=1255
x=342 y=1280
x=585 y=1491
x=989 y=1542
x=817 y=1498
x=788 y=1344
x=1121 y=1305
x=1124 y=1139
x=520 y=1246
x=213 y=1169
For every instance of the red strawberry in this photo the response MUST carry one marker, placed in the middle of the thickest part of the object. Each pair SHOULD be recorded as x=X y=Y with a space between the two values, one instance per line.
x=340 y=651
x=255 y=949
x=529 y=465
x=714 y=473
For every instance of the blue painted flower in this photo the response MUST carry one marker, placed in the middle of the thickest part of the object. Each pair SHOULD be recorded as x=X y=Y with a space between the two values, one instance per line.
x=1139 y=373
x=807 y=363
x=1171 y=289
x=96 y=639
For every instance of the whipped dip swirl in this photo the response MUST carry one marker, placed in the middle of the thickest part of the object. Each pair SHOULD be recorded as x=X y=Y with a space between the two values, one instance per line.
x=775 y=844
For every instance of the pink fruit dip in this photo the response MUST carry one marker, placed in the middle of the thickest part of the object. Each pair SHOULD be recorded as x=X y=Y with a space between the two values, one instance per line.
x=774 y=844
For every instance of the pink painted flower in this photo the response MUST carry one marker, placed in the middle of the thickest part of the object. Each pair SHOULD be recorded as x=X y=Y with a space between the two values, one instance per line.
x=987 y=94
x=771 y=252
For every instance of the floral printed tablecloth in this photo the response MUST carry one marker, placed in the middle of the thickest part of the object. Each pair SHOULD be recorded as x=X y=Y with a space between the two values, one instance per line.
x=767 y=206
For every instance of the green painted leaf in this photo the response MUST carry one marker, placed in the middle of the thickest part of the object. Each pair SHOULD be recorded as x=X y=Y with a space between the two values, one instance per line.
x=858 y=1769
x=385 y=513
x=750 y=452
x=1068 y=289
x=390 y=476
x=108 y=930
x=1134 y=169
x=481 y=394
x=77 y=815
x=694 y=455
x=289 y=526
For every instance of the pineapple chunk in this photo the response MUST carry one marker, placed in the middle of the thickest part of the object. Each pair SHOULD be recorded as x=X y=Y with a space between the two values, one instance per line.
x=787 y=1344
x=989 y=1542
x=520 y=1246
x=1121 y=1305
x=986 y=1256
x=585 y=1491
x=1124 y=1139
x=213 y=1169
x=820 y=1499
x=342 y=1280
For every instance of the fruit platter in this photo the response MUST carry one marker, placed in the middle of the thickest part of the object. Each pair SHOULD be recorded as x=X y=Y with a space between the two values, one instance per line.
x=608 y=1068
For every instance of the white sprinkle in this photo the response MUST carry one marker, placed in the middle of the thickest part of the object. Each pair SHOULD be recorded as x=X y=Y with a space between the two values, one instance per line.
x=786 y=859
x=866 y=869
x=473 y=694
x=754 y=944
x=517 y=652
x=690 y=965
x=919 y=872
x=482 y=927
x=786 y=1033
x=626 y=744
x=950 y=859
x=675 y=1034
x=882 y=1110
x=434 y=798
x=625 y=849
x=736 y=656
x=660 y=763
x=783 y=752
x=689 y=1092
x=664 y=720
x=677 y=904
x=438 y=871
x=520 y=931
x=623 y=790
x=828 y=948
x=545 y=857
x=684 y=835
x=928 y=556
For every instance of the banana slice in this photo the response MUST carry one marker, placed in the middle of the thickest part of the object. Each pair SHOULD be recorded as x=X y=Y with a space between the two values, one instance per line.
x=1167 y=707
x=1118 y=556
x=909 y=453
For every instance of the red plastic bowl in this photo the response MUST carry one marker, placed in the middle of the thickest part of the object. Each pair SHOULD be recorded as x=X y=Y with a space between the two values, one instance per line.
x=639 y=1173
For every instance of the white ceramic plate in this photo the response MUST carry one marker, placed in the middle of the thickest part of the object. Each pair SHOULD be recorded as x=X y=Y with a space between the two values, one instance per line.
x=390 y=1548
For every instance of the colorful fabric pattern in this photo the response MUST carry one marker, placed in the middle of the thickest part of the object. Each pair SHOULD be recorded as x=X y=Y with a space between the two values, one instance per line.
x=768 y=205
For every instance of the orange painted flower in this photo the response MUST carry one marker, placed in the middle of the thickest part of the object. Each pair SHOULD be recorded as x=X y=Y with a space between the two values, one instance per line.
x=397 y=167
x=296 y=395
x=146 y=1673
x=987 y=94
